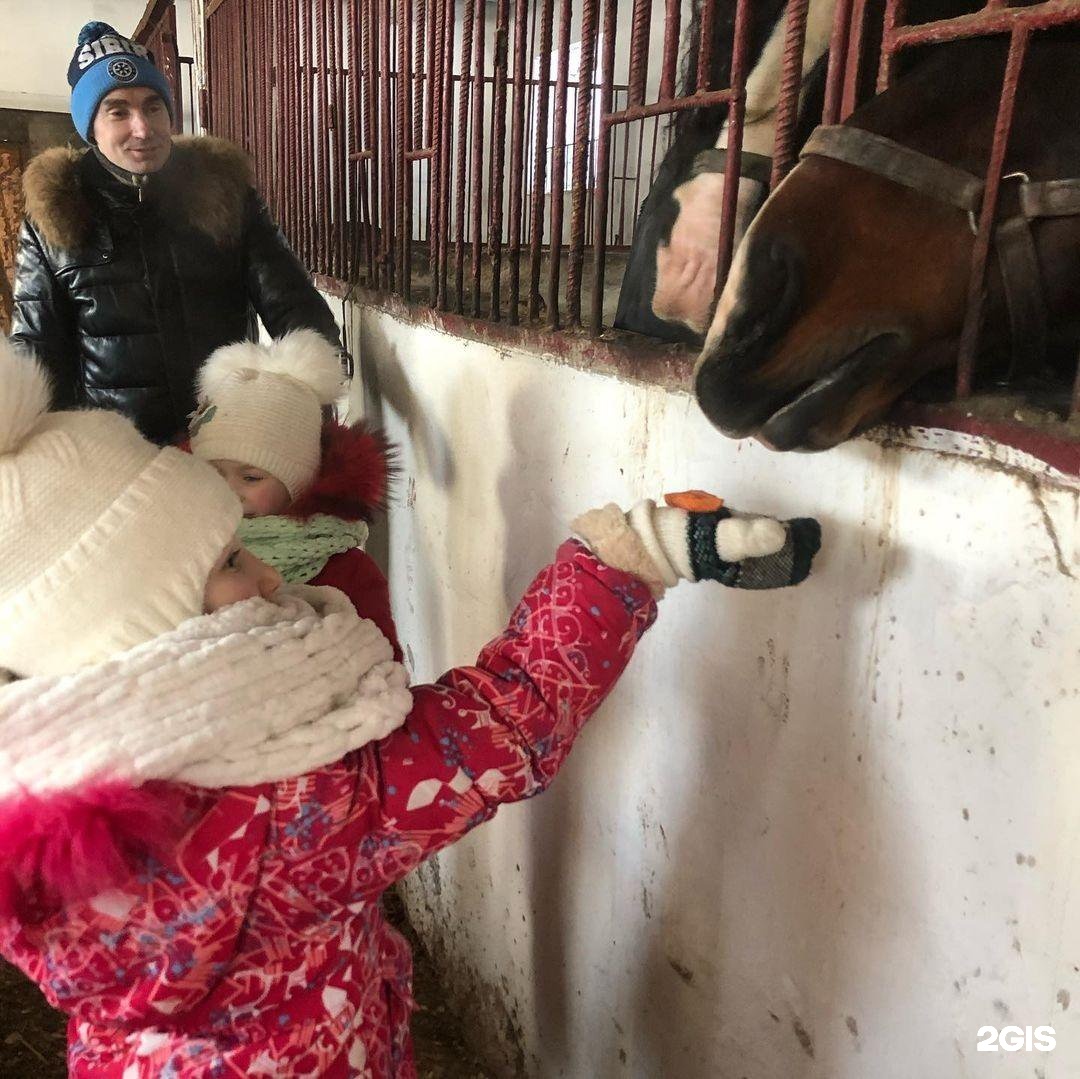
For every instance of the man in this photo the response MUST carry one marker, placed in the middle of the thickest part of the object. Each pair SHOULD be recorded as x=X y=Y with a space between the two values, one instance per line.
x=141 y=255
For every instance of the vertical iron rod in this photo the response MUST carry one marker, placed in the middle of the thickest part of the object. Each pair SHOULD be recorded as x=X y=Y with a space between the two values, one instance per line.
x=603 y=156
x=539 y=188
x=969 y=335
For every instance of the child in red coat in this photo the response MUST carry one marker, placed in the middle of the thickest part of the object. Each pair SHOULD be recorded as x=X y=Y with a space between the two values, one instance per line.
x=309 y=486
x=209 y=780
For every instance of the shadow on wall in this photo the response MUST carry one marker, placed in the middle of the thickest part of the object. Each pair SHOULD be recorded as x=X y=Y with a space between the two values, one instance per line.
x=426 y=451
x=790 y=894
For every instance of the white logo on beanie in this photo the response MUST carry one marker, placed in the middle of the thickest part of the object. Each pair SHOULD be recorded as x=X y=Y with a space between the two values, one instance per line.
x=109 y=45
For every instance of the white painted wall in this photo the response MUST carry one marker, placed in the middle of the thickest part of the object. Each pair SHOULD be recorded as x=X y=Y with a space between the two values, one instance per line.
x=38 y=40
x=844 y=817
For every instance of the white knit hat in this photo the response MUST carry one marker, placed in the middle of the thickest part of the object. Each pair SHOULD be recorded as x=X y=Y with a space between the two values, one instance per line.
x=261 y=405
x=106 y=540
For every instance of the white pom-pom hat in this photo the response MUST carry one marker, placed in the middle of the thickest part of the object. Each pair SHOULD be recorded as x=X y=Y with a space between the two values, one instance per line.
x=262 y=405
x=106 y=540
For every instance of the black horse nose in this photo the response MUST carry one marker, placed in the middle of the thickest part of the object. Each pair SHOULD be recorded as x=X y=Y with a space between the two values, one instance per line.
x=764 y=307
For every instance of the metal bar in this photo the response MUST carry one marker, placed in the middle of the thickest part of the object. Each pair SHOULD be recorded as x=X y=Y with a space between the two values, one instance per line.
x=445 y=147
x=352 y=165
x=576 y=253
x=369 y=42
x=404 y=137
x=461 y=138
x=639 y=51
x=435 y=140
x=736 y=116
x=558 y=161
x=969 y=336
x=498 y=153
x=995 y=21
x=603 y=156
x=386 y=178
x=665 y=107
x=517 y=138
x=476 y=171
x=787 y=106
x=536 y=227
x=705 y=44
x=852 y=69
x=894 y=16
x=669 y=65
x=339 y=118
x=322 y=196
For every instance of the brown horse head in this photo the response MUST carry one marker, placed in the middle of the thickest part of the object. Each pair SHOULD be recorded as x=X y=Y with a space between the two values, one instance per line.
x=849 y=287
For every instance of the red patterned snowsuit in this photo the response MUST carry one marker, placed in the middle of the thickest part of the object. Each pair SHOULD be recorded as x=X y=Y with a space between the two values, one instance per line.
x=260 y=949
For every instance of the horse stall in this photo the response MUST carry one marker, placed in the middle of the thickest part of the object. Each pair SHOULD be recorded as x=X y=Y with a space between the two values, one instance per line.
x=828 y=832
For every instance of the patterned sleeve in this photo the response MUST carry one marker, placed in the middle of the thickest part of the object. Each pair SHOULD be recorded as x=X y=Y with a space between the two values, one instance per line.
x=500 y=730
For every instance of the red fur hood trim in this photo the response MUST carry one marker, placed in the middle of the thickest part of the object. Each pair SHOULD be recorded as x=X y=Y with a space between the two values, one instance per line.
x=354 y=475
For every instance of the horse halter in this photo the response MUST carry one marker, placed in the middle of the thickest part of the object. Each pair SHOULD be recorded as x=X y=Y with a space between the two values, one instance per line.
x=1013 y=242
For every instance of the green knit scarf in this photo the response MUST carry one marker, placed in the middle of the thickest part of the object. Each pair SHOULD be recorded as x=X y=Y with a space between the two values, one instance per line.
x=298 y=550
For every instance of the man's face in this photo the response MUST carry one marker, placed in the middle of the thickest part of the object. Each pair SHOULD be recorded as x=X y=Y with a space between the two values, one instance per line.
x=133 y=130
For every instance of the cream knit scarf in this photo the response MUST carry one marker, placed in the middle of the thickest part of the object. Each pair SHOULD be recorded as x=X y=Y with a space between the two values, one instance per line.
x=253 y=693
x=298 y=550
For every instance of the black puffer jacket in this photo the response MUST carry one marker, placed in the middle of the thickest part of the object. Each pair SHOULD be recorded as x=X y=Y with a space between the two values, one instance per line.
x=123 y=298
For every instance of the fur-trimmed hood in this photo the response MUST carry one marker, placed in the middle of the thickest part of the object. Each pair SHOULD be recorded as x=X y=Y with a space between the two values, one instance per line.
x=206 y=183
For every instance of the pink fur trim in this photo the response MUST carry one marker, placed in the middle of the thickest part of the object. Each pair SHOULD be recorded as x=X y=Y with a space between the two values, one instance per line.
x=68 y=846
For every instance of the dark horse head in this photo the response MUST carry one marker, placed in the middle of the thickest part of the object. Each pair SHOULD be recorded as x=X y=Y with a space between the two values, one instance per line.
x=849 y=287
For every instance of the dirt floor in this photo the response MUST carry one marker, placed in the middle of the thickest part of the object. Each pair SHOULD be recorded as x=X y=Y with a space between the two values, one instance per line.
x=32 y=1035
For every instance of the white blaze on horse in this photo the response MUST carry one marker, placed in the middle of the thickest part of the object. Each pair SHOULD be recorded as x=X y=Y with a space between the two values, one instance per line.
x=686 y=264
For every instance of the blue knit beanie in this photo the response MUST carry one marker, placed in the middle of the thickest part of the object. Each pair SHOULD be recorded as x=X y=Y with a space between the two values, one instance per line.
x=105 y=61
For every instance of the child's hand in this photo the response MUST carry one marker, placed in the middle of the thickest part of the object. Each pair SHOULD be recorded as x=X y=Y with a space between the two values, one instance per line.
x=695 y=537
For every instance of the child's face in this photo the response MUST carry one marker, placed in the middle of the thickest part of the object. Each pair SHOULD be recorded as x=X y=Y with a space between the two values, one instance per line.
x=261 y=494
x=238 y=575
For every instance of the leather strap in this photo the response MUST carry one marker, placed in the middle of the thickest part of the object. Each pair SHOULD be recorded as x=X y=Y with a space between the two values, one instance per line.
x=1050 y=198
x=1019 y=265
x=902 y=165
x=752 y=166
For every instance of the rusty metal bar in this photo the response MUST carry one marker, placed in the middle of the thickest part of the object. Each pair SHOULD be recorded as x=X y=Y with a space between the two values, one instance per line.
x=787 y=107
x=670 y=63
x=558 y=162
x=517 y=141
x=894 y=16
x=386 y=154
x=969 y=336
x=639 y=51
x=705 y=43
x=435 y=83
x=664 y=108
x=852 y=69
x=468 y=46
x=736 y=117
x=405 y=130
x=603 y=156
x=445 y=157
x=370 y=43
x=322 y=102
x=498 y=153
x=576 y=252
x=477 y=168
x=338 y=121
x=351 y=165
x=994 y=21
x=307 y=152
x=536 y=227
